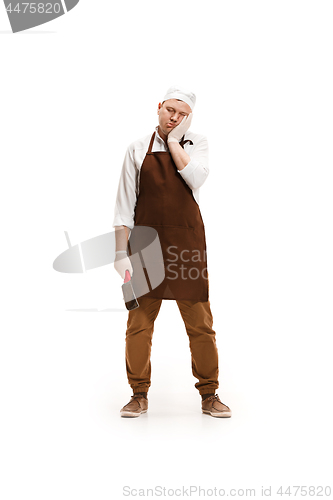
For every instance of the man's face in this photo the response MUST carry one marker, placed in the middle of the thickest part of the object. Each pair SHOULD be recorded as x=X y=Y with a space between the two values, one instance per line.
x=171 y=113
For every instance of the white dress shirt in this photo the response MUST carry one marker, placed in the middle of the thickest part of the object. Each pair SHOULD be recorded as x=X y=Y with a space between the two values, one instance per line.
x=194 y=174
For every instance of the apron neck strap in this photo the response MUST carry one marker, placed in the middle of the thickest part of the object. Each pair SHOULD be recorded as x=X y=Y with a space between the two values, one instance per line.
x=182 y=142
x=151 y=142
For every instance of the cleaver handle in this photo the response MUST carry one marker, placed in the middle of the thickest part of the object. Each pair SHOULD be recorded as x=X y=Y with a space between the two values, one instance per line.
x=127 y=276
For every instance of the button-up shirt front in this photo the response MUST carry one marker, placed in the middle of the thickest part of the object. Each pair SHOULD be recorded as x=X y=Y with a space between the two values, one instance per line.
x=194 y=174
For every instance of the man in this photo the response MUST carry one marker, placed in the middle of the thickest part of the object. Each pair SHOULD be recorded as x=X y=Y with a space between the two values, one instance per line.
x=159 y=189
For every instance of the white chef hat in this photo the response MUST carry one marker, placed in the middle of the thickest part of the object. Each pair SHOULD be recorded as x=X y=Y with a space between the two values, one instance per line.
x=176 y=92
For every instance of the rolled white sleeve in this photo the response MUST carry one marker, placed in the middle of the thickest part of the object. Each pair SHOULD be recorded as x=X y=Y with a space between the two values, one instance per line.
x=127 y=192
x=196 y=171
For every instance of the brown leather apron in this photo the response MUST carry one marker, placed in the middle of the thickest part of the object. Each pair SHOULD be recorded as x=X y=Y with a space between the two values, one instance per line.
x=166 y=204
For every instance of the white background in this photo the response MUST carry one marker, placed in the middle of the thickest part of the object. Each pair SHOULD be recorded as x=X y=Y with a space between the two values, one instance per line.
x=74 y=94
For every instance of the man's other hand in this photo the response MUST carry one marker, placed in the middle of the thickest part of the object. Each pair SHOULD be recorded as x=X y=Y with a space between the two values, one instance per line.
x=121 y=263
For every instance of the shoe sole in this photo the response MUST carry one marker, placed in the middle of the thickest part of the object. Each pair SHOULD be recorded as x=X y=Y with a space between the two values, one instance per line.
x=224 y=414
x=131 y=414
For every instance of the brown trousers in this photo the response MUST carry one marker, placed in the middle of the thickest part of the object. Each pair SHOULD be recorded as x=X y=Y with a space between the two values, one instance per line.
x=198 y=321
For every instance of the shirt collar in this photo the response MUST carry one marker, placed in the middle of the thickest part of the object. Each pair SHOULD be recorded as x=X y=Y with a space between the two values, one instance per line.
x=158 y=135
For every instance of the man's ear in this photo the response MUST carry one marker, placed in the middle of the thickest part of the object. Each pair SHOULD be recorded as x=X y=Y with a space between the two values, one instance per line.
x=159 y=107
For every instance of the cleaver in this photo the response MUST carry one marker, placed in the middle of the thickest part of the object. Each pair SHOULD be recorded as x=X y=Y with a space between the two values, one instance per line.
x=128 y=293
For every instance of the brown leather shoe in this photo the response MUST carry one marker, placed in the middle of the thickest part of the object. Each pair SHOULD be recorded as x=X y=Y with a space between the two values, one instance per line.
x=214 y=407
x=135 y=407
